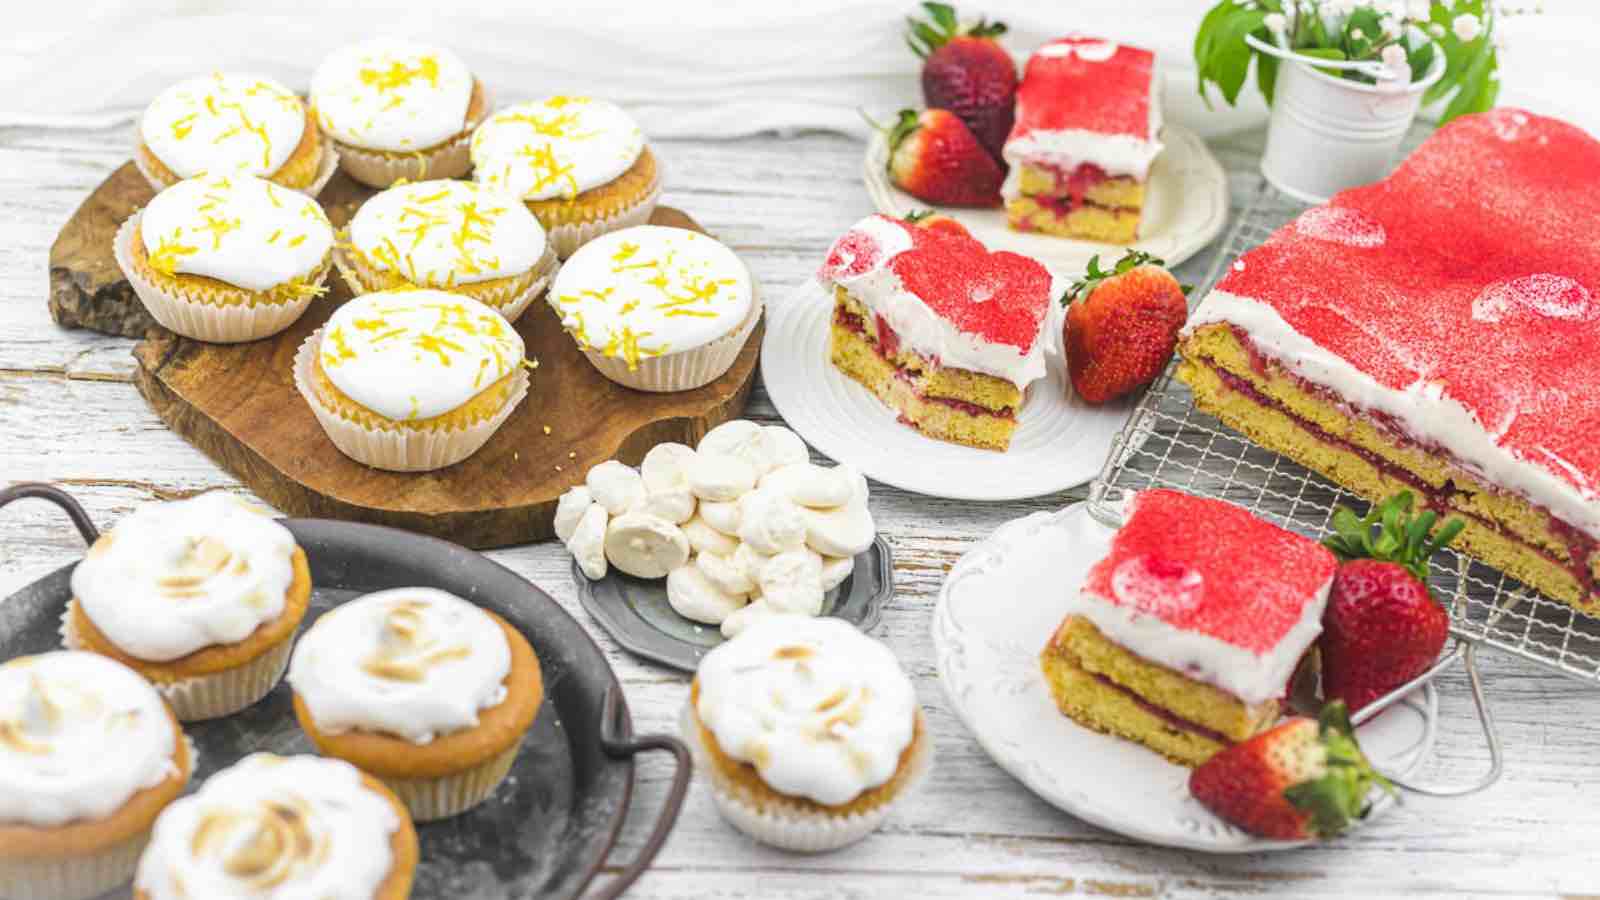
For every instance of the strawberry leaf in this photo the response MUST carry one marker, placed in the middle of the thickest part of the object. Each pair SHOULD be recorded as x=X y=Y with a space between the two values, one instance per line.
x=916 y=215
x=1131 y=260
x=1338 y=796
x=943 y=26
x=1400 y=537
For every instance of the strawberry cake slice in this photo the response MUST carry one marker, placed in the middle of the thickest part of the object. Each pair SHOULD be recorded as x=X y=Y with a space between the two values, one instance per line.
x=1088 y=125
x=1438 y=332
x=941 y=330
x=1184 y=637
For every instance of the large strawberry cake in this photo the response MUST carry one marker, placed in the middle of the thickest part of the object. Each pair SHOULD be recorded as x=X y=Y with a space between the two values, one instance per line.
x=1088 y=123
x=941 y=330
x=1438 y=331
x=1184 y=636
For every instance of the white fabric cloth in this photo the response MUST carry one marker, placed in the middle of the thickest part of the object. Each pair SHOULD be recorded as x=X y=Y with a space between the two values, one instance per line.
x=687 y=68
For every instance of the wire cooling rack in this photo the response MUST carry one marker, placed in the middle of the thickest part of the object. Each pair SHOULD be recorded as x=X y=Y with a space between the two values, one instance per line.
x=1169 y=443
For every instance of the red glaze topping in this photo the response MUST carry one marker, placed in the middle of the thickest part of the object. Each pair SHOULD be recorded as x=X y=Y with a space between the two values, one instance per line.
x=1211 y=567
x=1475 y=267
x=1086 y=84
x=1000 y=297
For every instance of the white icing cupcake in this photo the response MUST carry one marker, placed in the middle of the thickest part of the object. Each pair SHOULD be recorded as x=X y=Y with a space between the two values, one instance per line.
x=89 y=756
x=808 y=730
x=398 y=109
x=458 y=236
x=200 y=596
x=281 y=827
x=422 y=689
x=412 y=380
x=657 y=308
x=226 y=258
x=580 y=164
x=226 y=124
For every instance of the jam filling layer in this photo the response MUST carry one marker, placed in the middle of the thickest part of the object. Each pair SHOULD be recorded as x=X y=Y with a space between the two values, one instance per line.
x=887 y=345
x=1171 y=719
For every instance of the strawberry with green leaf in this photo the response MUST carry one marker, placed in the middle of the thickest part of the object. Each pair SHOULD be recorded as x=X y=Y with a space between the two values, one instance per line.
x=1121 y=326
x=934 y=157
x=966 y=71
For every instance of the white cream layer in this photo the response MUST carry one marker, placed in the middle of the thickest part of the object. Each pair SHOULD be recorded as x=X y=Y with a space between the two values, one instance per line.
x=820 y=709
x=287 y=828
x=1427 y=413
x=416 y=663
x=222 y=123
x=881 y=290
x=1117 y=154
x=239 y=229
x=444 y=233
x=392 y=94
x=556 y=147
x=417 y=354
x=80 y=734
x=173 y=578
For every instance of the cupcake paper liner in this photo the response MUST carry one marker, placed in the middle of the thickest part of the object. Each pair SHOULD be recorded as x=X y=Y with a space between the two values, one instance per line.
x=400 y=449
x=210 y=696
x=326 y=166
x=683 y=371
x=451 y=159
x=567 y=238
x=429 y=799
x=189 y=315
x=507 y=301
x=796 y=828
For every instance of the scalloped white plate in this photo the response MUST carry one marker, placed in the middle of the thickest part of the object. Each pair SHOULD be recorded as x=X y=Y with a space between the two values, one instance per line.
x=998 y=607
x=1186 y=207
x=1060 y=441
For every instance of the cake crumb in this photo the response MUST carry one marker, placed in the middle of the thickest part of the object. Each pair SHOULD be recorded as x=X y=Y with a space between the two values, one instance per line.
x=573 y=454
x=547 y=429
x=558 y=468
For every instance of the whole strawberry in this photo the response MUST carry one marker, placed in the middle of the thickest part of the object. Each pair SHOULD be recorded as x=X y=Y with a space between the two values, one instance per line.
x=933 y=157
x=966 y=71
x=1381 y=627
x=1122 y=326
x=1305 y=778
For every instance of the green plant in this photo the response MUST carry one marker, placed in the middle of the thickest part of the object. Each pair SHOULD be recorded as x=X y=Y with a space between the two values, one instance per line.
x=1393 y=40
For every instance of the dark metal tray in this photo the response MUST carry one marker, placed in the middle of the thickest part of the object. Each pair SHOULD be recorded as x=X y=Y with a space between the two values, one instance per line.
x=549 y=829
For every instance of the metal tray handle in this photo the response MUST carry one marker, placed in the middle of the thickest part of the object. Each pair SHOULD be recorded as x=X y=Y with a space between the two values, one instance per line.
x=1467 y=654
x=618 y=744
x=42 y=491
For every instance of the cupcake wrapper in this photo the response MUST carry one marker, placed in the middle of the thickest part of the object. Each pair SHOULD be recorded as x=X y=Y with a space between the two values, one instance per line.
x=72 y=877
x=451 y=159
x=680 y=371
x=210 y=696
x=567 y=238
x=325 y=169
x=799 y=829
x=429 y=799
x=189 y=316
x=400 y=449
x=506 y=301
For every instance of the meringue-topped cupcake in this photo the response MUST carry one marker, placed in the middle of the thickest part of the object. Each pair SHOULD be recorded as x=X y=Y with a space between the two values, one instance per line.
x=282 y=827
x=398 y=109
x=225 y=124
x=226 y=258
x=89 y=756
x=580 y=164
x=422 y=689
x=458 y=236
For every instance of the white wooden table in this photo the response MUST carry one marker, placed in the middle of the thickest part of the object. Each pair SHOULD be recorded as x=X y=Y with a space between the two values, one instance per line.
x=69 y=415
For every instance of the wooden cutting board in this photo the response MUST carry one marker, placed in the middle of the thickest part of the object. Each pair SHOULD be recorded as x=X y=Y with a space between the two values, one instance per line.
x=238 y=402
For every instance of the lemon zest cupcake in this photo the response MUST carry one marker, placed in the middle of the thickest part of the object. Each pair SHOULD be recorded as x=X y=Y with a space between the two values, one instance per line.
x=398 y=109
x=272 y=826
x=457 y=236
x=223 y=124
x=580 y=164
x=73 y=817
x=421 y=688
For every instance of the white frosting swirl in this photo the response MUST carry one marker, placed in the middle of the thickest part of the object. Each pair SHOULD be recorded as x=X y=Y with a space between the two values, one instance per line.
x=556 y=147
x=80 y=734
x=239 y=229
x=289 y=828
x=650 y=290
x=821 y=710
x=390 y=94
x=173 y=578
x=444 y=233
x=412 y=662
x=221 y=123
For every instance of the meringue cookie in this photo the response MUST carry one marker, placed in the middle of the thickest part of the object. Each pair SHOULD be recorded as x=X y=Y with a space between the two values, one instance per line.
x=769 y=523
x=588 y=541
x=705 y=539
x=792 y=582
x=570 y=509
x=741 y=438
x=645 y=546
x=811 y=485
x=676 y=506
x=615 y=486
x=720 y=477
x=835 y=569
x=697 y=598
x=787 y=447
x=721 y=515
x=841 y=531
x=666 y=467
x=743 y=618
x=723 y=572
x=750 y=561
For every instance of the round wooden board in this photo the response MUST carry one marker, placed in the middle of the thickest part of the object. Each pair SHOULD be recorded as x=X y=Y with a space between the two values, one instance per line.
x=239 y=405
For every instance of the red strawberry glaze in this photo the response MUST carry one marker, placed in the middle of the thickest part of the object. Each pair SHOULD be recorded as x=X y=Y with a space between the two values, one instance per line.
x=1066 y=86
x=1474 y=267
x=1213 y=568
x=1000 y=297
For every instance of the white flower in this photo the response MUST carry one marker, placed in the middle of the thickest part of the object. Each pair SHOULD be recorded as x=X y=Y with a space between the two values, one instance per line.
x=1391 y=27
x=1394 y=62
x=1436 y=30
x=1466 y=27
x=1419 y=9
x=1275 y=22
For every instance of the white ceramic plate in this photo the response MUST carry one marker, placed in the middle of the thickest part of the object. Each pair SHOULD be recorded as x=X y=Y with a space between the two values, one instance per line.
x=1060 y=441
x=998 y=607
x=1186 y=207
